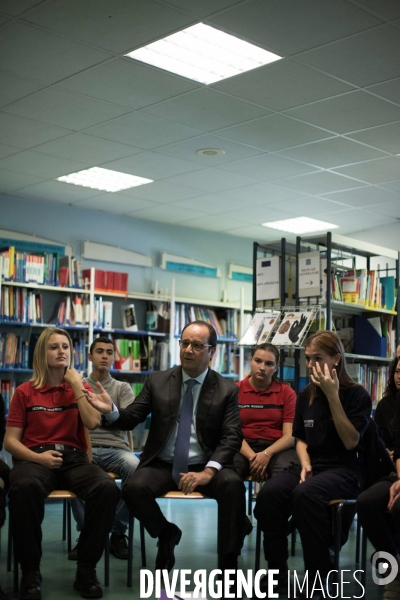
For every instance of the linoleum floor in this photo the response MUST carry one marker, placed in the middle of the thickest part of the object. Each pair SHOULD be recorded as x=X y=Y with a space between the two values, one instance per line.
x=197 y=550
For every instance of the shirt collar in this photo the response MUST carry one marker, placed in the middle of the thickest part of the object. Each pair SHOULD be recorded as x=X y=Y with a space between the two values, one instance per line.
x=46 y=388
x=200 y=378
x=247 y=387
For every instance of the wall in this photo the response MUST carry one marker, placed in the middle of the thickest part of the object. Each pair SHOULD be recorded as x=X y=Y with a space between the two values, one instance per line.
x=72 y=225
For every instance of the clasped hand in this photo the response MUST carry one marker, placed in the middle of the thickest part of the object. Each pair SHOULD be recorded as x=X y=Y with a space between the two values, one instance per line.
x=189 y=481
x=258 y=466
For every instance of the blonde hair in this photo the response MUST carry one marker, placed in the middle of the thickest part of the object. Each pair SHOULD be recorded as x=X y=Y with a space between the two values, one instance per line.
x=40 y=367
x=329 y=342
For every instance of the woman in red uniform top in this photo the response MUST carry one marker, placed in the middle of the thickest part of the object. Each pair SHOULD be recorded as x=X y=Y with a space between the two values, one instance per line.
x=46 y=436
x=266 y=411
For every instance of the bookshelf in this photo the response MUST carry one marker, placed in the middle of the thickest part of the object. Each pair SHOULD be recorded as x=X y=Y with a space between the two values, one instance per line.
x=366 y=317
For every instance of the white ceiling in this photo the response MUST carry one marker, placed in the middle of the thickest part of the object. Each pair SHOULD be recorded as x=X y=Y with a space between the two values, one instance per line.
x=315 y=134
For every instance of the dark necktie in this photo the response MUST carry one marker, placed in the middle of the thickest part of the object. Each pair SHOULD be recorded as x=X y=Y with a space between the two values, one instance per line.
x=181 y=454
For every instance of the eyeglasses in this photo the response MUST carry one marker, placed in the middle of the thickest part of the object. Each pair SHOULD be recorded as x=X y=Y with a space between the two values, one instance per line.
x=196 y=346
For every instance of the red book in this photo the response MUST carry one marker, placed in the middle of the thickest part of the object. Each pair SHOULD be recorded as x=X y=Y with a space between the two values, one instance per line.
x=117 y=282
x=124 y=282
x=110 y=281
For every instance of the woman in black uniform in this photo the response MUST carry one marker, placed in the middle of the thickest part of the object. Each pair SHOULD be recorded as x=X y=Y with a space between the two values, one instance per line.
x=332 y=413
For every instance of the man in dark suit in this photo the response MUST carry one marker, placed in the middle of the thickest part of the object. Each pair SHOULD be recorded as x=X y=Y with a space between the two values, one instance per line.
x=215 y=436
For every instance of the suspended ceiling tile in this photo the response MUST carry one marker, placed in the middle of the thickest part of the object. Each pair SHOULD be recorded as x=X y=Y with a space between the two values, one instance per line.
x=117 y=204
x=11 y=181
x=349 y=112
x=268 y=167
x=118 y=26
x=17 y=7
x=142 y=131
x=287 y=27
x=282 y=85
x=260 y=215
x=152 y=165
x=25 y=133
x=188 y=148
x=392 y=185
x=363 y=197
x=355 y=219
x=211 y=180
x=203 y=8
x=4 y=19
x=166 y=213
x=128 y=83
x=364 y=59
x=40 y=165
x=162 y=192
x=273 y=133
x=87 y=148
x=32 y=52
x=320 y=182
x=64 y=109
x=265 y=193
x=332 y=153
x=6 y=150
x=258 y=232
x=388 y=209
x=206 y=109
x=211 y=224
x=12 y=87
x=57 y=191
x=374 y=171
x=384 y=137
x=389 y=89
x=388 y=9
x=212 y=204
x=310 y=206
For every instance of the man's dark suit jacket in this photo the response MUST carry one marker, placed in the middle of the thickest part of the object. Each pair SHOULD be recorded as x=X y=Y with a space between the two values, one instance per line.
x=218 y=424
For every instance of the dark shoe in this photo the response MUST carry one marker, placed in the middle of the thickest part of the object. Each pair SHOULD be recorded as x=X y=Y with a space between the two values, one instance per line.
x=73 y=554
x=169 y=538
x=118 y=545
x=87 y=583
x=31 y=585
x=282 y=586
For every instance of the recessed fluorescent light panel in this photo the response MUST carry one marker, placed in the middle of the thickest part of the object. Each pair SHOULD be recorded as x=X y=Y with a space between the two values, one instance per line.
x=300 y=225
x=204 y=54
x=104 y=179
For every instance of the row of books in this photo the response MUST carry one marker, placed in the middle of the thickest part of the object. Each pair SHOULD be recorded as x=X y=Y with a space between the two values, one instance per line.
x=41 y=268
x=14 y=351
x=366 y=288
x=71 y=311
x=20 y=305
x=7 y=389
x=142 y=354
x=372 y=377
x=107 y=281
x=224 y=360
x=225 y=324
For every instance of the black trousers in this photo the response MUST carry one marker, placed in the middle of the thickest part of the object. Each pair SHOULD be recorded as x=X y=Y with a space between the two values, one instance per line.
x=381 y=527
x=30 y=485
x=155 y=479
x=283 y=496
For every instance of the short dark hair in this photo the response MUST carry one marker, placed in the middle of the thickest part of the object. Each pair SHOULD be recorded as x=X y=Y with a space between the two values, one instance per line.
x=212 y=337
x=103 y=339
